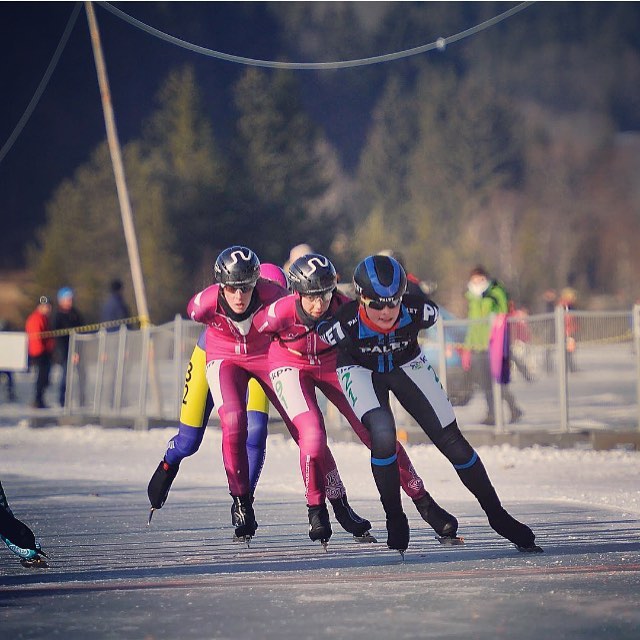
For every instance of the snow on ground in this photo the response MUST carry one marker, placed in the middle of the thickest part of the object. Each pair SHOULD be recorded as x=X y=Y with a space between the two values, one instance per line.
x=608 y=479
x=83 y=489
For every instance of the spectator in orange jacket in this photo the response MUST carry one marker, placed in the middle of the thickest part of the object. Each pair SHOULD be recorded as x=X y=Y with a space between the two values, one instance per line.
x=40 y=347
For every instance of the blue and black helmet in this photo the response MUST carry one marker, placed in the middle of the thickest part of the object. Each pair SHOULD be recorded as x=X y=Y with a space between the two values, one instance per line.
x=381 y=279
x=237 y=267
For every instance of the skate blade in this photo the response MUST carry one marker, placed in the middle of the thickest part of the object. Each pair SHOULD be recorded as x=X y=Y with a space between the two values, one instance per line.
x=400 y=551
x=449 y=541
x=150 y=516
x=245 y=539
x=534 y=548
x=366 y=537
x=34 y=563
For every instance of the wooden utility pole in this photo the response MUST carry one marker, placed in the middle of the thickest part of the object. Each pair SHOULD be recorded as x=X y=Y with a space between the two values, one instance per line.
x=118 y=169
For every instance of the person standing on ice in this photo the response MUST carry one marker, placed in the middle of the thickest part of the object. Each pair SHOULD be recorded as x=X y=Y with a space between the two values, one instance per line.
x=379 y=353
x=236 y=353
x=300 y=362
x=197 y=405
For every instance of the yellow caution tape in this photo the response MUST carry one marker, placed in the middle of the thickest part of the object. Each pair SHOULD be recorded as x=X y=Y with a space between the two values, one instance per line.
x=144 y=322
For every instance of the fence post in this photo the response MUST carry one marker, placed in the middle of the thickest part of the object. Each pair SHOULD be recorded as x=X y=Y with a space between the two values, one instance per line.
x=561 y=360
x=102 y=354
x=119 y=371
x=142 y=420
x=177 y=362
x=636 y=342
x=68 y=394
x=497 y=404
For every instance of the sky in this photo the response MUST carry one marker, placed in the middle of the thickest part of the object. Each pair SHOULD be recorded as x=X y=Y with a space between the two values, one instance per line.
x=68 y=123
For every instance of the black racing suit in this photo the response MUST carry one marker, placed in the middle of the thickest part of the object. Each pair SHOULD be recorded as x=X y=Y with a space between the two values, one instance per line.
x=372 y=363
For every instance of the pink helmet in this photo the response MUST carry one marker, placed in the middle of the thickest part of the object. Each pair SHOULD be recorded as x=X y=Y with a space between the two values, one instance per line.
x=274 y=273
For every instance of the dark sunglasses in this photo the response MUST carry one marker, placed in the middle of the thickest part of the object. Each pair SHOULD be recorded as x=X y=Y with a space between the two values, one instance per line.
x=378 y=305
x=244 y=288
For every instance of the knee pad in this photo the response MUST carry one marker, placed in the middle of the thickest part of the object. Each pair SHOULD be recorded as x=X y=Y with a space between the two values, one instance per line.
x=184 y=444
x=455 y=447
x=382 y=428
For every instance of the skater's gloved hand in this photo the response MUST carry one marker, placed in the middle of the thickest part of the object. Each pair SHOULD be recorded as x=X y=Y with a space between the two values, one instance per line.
x=332 y=333
x=160 y=483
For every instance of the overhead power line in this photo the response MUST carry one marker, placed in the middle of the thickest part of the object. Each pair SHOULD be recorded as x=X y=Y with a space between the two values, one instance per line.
x=43 y=83
x=440 y=43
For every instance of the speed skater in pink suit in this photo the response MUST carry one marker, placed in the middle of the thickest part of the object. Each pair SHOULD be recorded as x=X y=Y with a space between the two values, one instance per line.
x=235 y=354
x=195 y=410
x=301 y=362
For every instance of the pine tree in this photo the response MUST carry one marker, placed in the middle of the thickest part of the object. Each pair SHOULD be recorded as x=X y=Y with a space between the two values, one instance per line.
x=286 y=165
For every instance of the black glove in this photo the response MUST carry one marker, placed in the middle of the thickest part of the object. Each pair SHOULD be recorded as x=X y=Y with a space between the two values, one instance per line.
x=331 y=333
x=160 y=483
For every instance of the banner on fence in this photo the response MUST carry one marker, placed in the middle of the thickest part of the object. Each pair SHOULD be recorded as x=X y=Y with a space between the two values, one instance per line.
x=13 y=351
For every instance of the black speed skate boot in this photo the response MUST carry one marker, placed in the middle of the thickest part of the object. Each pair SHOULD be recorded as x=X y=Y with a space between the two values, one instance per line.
x=159 y=485
x=350 y=521
x=243 y=518
x=440 y=520
x=319 y=524
x=508 y=527
x=398 y=532
x=237 y=518
x=20 y=540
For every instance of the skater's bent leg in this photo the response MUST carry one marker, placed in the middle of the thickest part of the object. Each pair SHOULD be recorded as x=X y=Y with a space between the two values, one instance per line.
x=184 y=444
x=474 y=476
x=410 y=481
x=233 y=421
x=386 y=475
x=257 y=429
x=469 y=467
x=228 y=385
x=257 y=423
x=333 y=485
x=297 y=404
x=384 y=460
x=313 y=448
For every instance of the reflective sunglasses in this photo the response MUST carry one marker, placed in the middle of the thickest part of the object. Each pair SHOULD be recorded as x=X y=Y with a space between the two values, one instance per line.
x=243 y=288
x=379 y=305
x=319 y=297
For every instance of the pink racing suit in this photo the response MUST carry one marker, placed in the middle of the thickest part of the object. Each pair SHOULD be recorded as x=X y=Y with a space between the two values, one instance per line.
x=235 y=352
x=299 y=362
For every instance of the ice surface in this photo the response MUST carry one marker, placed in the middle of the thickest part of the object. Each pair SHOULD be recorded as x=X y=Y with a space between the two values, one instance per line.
x=83 y=491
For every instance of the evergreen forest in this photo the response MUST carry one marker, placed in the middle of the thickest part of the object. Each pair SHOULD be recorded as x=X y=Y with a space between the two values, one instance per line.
x=517 y=148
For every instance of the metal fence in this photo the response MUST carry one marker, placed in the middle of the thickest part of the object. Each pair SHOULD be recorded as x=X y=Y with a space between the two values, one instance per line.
x=569 y=371
x=135 y=375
